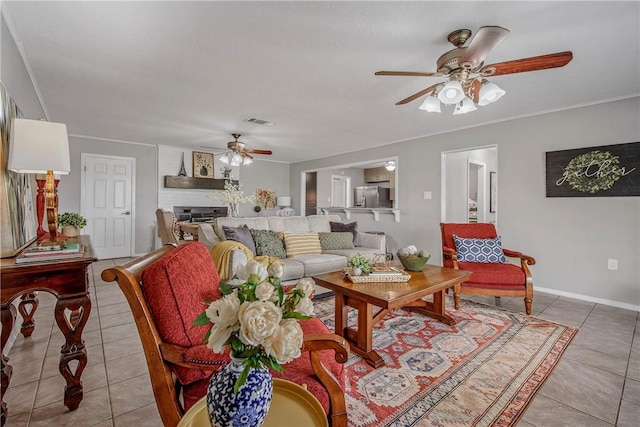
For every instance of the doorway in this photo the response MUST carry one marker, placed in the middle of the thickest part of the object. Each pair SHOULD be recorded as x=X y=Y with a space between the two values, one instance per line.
x=107 y=203
x=465 y=183
x=311 y=193
x=340 y=191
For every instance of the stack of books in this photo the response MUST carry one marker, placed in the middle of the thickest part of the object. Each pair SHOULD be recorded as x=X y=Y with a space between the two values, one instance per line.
x=386 y=271
x=50 y=253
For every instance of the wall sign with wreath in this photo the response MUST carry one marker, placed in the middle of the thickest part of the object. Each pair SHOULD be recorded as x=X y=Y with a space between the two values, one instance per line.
x=608 y=170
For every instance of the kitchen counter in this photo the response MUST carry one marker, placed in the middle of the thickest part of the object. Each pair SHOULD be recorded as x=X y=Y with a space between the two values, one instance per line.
x=375 y=211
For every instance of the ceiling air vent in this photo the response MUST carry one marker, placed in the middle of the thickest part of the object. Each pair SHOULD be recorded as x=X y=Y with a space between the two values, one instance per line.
x=259 y=121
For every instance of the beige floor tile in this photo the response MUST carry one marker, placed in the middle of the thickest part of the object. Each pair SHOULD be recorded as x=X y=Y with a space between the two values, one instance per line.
x=545 y=412
x=122 y=348
x=610 y=341
x=119 y=332
x=132 y=394
x=122 y=369
x=632 y=391
x=19 y=399
x=629 y=415
x=147 y=416
x=107 y=310
x=94 y=408
x=18 y=420
x=614 y=364
x=108 y=321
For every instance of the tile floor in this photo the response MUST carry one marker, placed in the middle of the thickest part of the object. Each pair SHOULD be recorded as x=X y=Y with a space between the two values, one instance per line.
x=597 y=382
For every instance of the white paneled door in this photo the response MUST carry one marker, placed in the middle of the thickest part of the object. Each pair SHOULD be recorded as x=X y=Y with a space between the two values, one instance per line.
x=107 y=203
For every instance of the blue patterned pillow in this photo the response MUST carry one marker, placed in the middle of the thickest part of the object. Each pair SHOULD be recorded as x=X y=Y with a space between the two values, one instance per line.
x=479 y=250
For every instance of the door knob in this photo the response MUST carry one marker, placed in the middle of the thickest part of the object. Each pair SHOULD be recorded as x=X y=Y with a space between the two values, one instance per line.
x=126 y=213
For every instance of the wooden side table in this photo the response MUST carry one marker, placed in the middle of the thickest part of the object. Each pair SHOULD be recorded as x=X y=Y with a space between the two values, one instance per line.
x=68 y=281
x=292 y=406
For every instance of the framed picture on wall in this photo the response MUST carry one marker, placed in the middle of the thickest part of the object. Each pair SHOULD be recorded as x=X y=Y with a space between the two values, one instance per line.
x=202 y=165
x=493 y=192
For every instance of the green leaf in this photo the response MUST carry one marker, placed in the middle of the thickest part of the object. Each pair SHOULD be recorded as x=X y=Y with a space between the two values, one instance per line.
x=226 y=288
x=206 y=336
x=241 y=378
x=295 y=315
x=202 y=319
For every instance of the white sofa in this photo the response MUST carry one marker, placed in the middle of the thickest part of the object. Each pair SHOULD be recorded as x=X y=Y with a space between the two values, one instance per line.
x=302 y=265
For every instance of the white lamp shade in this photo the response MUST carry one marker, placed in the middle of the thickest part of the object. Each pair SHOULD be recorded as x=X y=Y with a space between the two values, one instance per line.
x=283 y=201
x=247 y=161
x=390 y=165
x=38 y=146
x=431 y=105
x=236 y=159
x=451 y=93
x=489 y=92
x=225 y=158
x=465 y=106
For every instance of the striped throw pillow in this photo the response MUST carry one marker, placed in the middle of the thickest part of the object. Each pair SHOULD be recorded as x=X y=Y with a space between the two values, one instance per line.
x=299 y=244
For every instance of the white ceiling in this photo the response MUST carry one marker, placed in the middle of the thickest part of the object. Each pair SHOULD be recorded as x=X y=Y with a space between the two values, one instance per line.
x=188 y=73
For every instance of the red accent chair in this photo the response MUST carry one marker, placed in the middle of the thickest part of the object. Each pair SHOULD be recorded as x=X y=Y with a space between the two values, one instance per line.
x=165 y=290
x=497 y=279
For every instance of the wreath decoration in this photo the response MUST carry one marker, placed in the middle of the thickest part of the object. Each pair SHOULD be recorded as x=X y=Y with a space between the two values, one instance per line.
x=585 y=172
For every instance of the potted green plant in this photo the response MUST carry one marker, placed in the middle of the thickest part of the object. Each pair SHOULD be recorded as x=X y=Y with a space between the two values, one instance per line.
x=71 y=223
x=359 y=264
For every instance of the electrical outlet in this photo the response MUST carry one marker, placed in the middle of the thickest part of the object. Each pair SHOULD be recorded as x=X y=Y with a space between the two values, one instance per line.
x=612 y=264
x=427 y=195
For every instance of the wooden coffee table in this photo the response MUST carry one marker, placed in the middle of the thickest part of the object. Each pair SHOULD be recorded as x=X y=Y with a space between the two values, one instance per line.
x=387 y=296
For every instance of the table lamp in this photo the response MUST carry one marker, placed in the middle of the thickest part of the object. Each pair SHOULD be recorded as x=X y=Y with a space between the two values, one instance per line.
x=284 y=202
x=38 y=146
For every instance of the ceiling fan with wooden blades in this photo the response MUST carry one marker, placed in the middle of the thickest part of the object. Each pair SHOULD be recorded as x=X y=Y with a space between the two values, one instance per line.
x=239 y=154
x=467 y=73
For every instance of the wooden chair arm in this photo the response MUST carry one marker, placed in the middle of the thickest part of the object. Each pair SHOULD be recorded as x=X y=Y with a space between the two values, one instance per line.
x=314 y=343
x=515 y=254
x=449 y=253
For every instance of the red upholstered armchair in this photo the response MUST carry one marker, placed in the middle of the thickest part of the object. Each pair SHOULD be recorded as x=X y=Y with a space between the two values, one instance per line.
x=165 y=290
x=488 y=278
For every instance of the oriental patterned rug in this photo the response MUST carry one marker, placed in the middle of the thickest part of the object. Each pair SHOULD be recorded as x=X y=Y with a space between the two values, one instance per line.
x=482 y=371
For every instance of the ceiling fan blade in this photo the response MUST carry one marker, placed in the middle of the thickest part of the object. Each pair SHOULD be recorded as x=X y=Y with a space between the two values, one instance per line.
x=418 y=95
x=268 y=152
x=407 y=73
x=485 y=40
x=543 y=62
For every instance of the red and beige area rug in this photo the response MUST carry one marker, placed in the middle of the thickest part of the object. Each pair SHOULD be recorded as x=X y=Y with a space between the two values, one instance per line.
x=482 y=371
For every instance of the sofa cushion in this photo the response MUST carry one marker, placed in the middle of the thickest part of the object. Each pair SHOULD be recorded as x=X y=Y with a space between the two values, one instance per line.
x=321 y=264
x=255 y=223
x=479 y=250
x=299 y=244
x=369 y=253
x=175 y=287
x=268 y=243
x=321 y=223
x=293 y=269
x=350 y=227
x=241 y=235
x=499 y=276
x=291 y=224
x=336 y=240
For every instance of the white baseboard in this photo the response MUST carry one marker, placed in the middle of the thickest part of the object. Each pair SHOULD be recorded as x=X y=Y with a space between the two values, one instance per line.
x=626 y=306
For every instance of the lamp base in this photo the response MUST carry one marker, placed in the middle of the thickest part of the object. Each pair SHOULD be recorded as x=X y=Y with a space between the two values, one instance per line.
x=42 y=240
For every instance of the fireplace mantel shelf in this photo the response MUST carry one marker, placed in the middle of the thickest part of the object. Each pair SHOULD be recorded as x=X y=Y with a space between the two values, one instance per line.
x=375 y=211
x=190 y=183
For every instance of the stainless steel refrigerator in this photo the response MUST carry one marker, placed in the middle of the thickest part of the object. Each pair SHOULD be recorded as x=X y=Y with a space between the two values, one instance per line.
x=371 y=196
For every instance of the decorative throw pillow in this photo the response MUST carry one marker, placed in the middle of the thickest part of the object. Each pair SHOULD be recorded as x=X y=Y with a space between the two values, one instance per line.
x=336 y=240
x=268 y=243
x=479 y=250
x=240 y=235
x=299 y=244
x=341 y=227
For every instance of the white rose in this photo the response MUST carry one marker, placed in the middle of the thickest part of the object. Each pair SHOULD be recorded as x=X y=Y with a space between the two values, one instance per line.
x=307 y=286
x=224 y=311
x=244 y=272
x=276 y=269
x=258 y=320
x=285 y=344
x=218 y=337
x=264 y=291
x=305 y=307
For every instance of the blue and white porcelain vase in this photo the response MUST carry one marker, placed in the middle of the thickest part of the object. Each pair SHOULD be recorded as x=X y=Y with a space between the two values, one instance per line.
x=249 y=406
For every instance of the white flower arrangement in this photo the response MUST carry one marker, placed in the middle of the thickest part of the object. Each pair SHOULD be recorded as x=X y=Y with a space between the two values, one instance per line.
x=234 y=196
x=256 y=319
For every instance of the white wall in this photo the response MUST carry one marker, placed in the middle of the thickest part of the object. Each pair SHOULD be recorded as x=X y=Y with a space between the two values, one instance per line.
x=571 y=238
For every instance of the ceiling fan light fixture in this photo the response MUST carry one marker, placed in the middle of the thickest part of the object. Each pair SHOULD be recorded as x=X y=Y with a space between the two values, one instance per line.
x=489 y=92
x=451 y=93
x=390 y=165
x=247 y=161
x=236 y=159
x=464 y=106
x=431 y=104
x=225 y=158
